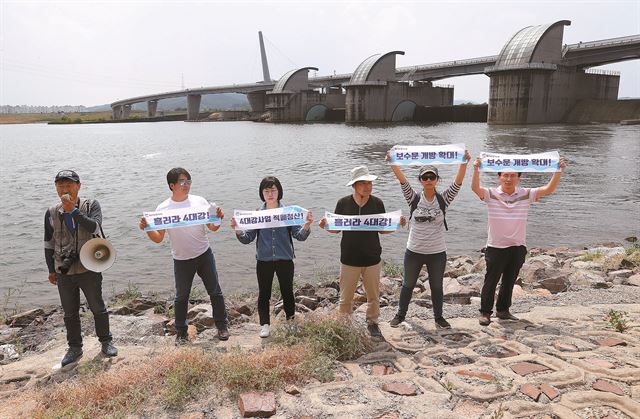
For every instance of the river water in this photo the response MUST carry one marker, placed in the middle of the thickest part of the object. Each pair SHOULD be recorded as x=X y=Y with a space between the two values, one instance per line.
x=124 y=166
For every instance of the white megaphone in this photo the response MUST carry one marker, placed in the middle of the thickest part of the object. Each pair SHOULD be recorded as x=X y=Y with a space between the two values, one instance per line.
x=97 y=255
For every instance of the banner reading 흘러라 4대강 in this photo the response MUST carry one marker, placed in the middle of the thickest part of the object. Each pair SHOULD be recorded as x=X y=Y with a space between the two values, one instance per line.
x=388 y=221
x=181 y=217
x=533 y=163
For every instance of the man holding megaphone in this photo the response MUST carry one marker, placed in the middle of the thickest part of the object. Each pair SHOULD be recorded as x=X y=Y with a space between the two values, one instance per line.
x=68 y=226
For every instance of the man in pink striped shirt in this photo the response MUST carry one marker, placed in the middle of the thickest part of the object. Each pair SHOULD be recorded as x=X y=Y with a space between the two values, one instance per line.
x=508 y=207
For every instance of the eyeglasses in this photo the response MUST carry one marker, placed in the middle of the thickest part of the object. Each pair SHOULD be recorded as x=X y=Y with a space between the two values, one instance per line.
x=422 y=219
x=184 y=182
x=429 y=177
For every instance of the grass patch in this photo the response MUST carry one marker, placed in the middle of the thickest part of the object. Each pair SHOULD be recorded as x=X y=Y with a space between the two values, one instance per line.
x=629 y=250
x=617 y=320
x=10 y=305
x=335 y=337
x=186 y=380
x=265 y=370
x=621 y=261
x=591 y=257
x=198 y=294
x=392 y=269
x=127 y=296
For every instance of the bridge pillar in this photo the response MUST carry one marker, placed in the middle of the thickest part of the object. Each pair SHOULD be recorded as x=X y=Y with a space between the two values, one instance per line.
x=116 y=112
x=152 y=106
x=387 y=102
x=257 y=100
x=193 y=107
x=126 y=111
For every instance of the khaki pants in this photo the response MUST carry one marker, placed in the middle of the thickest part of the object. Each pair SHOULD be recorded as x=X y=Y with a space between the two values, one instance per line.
x=349 y=277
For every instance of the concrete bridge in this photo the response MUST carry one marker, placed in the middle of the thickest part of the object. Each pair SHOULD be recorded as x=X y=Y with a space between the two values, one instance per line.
x=534 y=79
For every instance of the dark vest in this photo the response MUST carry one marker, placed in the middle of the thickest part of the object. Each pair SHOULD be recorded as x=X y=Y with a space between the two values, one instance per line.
x=65 y=241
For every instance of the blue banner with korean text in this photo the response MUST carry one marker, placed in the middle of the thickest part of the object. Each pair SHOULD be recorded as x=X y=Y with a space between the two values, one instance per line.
x=402 y=155
x=389 y=221
x=533 y=163
x=271 y=218
x=181 y=217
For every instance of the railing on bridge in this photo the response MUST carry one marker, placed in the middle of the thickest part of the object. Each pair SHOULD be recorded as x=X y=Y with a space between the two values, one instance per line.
x=526 y=66
x=446 y=64
x=601 y=72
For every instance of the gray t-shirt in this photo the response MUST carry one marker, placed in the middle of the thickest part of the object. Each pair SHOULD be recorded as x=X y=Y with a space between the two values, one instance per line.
x=426 y=234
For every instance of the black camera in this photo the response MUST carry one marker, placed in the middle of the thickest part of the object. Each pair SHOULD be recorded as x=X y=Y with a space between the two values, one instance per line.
x=67 y=260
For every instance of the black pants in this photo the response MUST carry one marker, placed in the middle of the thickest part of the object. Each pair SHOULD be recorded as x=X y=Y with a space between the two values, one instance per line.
x=184 y=271
x=501 y=262
x=69 y=287
x=265 y=271
x=413 y=263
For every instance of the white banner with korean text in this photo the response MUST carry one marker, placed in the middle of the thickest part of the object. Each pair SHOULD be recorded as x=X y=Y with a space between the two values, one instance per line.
x=536 y=163
x=181 y=217
x=402 y=155
x=271 y=218
x=389 y=221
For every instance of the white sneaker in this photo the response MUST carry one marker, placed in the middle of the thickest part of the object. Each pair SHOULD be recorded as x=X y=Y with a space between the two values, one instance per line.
x=264 y=331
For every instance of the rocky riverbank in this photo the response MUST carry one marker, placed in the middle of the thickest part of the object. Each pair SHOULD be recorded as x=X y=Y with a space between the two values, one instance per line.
x=564 y=358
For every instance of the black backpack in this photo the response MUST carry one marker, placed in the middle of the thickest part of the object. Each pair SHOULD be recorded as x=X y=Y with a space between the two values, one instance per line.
x=443 y=207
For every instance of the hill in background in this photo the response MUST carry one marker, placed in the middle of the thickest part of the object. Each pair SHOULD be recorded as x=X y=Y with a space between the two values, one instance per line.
x=221 y=101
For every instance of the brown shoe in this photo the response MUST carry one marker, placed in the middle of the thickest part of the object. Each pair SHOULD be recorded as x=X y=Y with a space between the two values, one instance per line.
x=505 y=315
x=223 y=334
x=484 y=319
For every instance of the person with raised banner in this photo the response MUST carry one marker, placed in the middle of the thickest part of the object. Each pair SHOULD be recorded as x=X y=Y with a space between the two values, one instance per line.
x=186 y=218
x=68 y=225
x=508 y=208
x=360 y=248
x=274 y=245
x=426 y=243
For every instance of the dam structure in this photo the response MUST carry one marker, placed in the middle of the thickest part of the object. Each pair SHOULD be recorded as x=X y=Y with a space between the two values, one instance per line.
x=534 y=79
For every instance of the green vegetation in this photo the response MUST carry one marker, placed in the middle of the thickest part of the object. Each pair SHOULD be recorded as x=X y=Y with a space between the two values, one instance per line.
x=617 y=320
x=10 y=305
x=591 y=257
x=335 y=337
x=127 y=296
x=392 y=269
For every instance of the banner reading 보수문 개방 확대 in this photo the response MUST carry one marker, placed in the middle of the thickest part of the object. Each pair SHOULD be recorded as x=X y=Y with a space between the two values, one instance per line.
x=401 y=155
x=181 y=217
x=271 y=218
x=533 y=163
x=388 y=221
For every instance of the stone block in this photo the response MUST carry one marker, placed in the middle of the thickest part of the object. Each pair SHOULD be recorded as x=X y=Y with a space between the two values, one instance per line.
x=526 y=368
x=608 y=387
x=549 y=391
x=261 y=405
x=402 y=389
x=531 y=391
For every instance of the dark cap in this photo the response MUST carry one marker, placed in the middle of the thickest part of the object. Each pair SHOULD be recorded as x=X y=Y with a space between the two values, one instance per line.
x=67 y=174
x=428 y=168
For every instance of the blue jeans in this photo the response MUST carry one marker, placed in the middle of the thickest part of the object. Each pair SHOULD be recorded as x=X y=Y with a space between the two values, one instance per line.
x=69 y=287
x=413 y=263
x=184 y=271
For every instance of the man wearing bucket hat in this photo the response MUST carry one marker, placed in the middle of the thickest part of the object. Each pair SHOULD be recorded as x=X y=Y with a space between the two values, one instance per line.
x=360 y=250
x=68 y=225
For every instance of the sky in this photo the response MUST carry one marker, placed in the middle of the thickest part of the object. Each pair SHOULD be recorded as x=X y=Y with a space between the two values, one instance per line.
x=96 y=52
